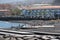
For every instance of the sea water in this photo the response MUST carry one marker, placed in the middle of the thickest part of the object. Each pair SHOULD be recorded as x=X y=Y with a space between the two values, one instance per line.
x=6 y=24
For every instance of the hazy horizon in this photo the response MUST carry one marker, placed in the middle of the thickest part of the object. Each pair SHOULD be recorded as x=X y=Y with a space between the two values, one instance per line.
x=9 y=1
x=57 y=2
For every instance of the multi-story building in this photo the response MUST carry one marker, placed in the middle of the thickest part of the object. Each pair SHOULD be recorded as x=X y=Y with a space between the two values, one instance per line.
x=4 y=12
x=5 y=9
x=47 y=11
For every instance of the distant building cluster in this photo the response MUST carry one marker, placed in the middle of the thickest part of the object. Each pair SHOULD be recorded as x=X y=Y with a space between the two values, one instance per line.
x=4 y=12
x=44 y=11
x=33 y=11
x=5 y=9
x=5 y=6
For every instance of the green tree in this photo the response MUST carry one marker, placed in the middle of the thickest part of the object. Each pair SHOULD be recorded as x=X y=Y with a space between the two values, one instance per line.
x=16 y=11
x=51 y=14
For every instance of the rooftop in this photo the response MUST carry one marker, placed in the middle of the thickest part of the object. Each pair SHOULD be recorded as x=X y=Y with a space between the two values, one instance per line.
x=40 y=7
x=4 y=10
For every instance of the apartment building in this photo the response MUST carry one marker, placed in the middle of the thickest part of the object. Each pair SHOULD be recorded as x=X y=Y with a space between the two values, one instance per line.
x=47 y=11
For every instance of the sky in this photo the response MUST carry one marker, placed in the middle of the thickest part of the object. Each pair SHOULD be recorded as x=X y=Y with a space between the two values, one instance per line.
x=32 y=1
x=8 y=1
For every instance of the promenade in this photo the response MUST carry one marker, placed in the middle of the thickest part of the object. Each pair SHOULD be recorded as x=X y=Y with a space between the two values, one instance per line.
x=38 y=22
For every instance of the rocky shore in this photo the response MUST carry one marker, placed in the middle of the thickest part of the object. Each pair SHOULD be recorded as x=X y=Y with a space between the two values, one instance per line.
x=40 y=37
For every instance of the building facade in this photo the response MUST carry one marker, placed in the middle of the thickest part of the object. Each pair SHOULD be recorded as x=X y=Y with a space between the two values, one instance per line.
x=42 y=12
x=5 y=12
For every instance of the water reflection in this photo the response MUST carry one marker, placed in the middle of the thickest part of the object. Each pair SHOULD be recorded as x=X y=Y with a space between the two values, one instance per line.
x=5 y=24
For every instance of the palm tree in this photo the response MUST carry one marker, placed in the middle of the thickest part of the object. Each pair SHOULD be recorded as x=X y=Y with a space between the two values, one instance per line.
x=50 y=14
x=43 y=13
x=40 y=13
x=29 y=13
x=57 y=15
